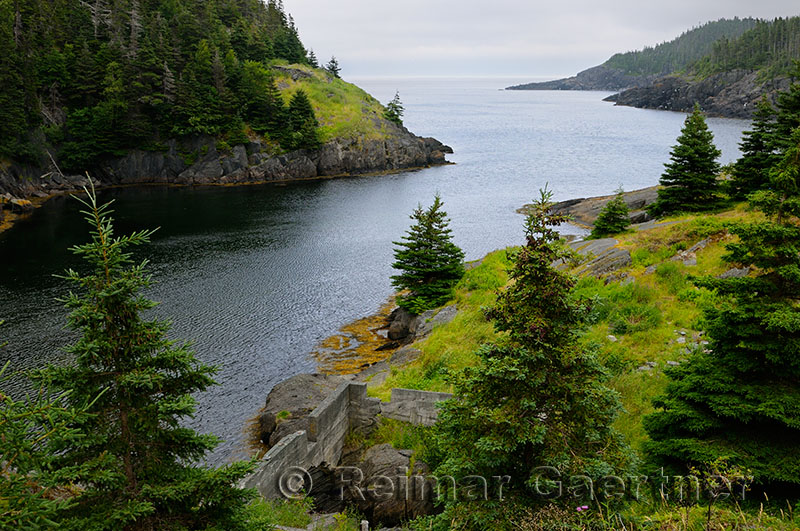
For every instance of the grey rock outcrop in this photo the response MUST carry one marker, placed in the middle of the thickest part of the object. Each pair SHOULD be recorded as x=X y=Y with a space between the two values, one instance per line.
x=197 y=161
x=732 y=94
x=407 y=327
x=584 y=211
x=399 y=490
x=735 y=273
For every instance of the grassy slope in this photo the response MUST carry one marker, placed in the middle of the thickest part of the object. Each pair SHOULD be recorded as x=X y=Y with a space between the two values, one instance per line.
x=343 y=110
x=645 y=317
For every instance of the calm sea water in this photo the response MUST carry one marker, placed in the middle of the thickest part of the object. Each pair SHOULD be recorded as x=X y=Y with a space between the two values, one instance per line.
x=256 y=276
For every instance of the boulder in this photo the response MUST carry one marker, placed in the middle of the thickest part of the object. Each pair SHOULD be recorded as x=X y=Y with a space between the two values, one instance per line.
x=400 y=324
x=735 y=273
x=426 y=324
x=394 y=491
x=608 y=262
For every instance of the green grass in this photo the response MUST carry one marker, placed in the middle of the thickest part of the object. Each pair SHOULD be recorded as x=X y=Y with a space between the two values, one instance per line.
x=265 y=514
x=343 y=110
x=452 y=346
x=644 y=317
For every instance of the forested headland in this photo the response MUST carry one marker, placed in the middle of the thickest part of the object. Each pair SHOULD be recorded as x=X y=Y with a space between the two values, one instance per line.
x=725 y=65
x=179 y=91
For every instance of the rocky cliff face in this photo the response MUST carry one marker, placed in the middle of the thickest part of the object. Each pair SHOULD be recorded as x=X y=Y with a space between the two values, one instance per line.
x=730 y=94
x=197 y=161
x=596 y=78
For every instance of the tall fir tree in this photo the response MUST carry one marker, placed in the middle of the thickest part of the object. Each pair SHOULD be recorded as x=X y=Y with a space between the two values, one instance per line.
x=333 y=67
x=614 y=218
x=303 y=132
x=312 y=59
x=141 y=385
x=787 y=119
x=537 y=398
x=690 y=178
x=430 y=264
x=13 y=118
x=394 y=110
x=31 y=490
x=740 y=399
x=751 y=171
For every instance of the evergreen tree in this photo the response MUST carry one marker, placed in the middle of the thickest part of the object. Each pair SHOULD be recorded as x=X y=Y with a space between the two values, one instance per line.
x=175 y=66
x=614 y=218
x=13 y=120
x=265 y=110
x=394 y=110
x=303 y=126
x=690 y=179
x=333 y=67
x=312 y=59
x=537 y=399
x=144 y=382
x=27 y=477
x=751 y=171
x=430 y=264
x=788 y=113
x=740 y=400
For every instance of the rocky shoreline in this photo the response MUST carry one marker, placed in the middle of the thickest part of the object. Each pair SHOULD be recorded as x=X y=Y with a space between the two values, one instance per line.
x=595 y=78
x=733 y=94
x=199 y=161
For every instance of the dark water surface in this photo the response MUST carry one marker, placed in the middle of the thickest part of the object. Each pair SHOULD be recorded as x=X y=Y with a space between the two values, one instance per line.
x=256 y=276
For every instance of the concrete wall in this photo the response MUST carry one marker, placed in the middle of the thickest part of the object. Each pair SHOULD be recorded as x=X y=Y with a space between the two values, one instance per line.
x=347 y=408
x=416 y=407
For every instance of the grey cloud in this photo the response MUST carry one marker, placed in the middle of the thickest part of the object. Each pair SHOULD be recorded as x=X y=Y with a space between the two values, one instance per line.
x=500 y=37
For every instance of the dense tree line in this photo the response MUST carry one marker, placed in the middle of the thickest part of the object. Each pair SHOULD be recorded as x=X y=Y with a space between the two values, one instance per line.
x=678 y=54
x=97 y=77
x=734 y=406
x=770 y=46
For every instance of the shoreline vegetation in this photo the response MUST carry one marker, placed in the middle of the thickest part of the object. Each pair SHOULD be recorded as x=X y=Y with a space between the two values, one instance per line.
x=648 y=321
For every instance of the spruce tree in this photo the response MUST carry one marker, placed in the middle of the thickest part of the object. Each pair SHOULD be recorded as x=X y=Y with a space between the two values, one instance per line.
x=394 y=110
x=27 y=477
x=740 y=399
x=303 y=126
x=333 y=67
x=430 y=264
x=690 y=179
x=538 y=397
x=788 y=113
x=141 y=385
x=751 y=171
x=312 y=59
x=614 y=218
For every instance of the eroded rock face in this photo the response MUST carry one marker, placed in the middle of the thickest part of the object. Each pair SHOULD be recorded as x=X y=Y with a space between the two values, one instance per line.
x=384 y=486
x=585 y=210
x=393 y=491
x=405 y=326
x=198 y=161
x=732 y=94
x=290 y=402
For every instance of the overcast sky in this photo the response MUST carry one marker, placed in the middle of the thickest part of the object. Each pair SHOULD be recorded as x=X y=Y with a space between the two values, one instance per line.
x=500 y=37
